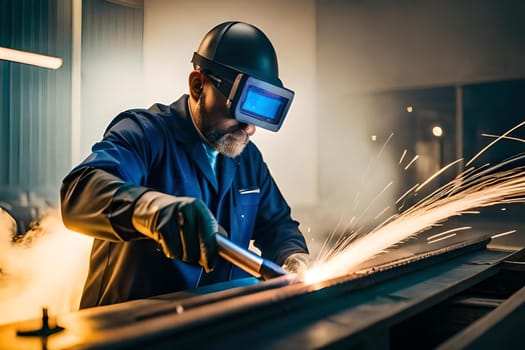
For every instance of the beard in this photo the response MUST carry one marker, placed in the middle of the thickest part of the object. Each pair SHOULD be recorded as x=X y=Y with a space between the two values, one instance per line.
x=229 y=142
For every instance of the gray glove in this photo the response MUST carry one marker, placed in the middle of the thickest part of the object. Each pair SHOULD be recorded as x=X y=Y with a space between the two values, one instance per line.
x=184 y=227
x=297 y=263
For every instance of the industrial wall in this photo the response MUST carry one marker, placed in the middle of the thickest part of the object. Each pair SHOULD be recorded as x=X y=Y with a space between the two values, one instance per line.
x=383 y=45
x=34 y=102
x=377 y=58
x=111 y=67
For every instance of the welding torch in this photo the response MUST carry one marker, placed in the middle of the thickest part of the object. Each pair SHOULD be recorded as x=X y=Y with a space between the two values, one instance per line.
x=247 y=260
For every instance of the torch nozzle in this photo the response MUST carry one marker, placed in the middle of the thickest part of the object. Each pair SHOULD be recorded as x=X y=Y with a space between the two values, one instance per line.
x=246 y=260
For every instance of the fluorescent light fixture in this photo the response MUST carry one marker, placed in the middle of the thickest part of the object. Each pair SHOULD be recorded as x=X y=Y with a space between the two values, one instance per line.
x=30 y=58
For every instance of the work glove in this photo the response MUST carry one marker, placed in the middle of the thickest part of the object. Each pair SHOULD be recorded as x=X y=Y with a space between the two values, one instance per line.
x=297 y=263
x=184 y=227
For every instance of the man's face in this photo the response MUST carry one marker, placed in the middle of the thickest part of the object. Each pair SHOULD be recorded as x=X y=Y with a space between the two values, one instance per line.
x=225 y=134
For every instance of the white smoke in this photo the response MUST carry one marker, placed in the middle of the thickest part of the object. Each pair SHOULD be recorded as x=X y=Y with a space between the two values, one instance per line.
x=47 y=268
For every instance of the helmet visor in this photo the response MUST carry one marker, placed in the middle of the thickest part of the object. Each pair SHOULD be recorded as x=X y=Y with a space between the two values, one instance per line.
x=256 y=102
x=250 y=100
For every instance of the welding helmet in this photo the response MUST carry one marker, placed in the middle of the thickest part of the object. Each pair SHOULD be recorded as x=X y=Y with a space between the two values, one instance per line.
x=241 y=63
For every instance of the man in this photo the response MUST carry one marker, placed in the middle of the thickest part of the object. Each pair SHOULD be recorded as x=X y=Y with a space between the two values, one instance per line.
x=163 y=181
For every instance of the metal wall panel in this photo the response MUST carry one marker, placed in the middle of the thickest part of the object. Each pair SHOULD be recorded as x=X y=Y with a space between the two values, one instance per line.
x=35 y=102
x=112 y=37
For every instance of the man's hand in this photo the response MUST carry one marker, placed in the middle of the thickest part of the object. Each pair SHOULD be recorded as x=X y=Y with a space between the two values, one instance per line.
x=184 y=227
x=297 y=263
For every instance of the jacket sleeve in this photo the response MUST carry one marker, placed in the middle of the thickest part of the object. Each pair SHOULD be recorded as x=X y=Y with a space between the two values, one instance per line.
x=100 y=204
x=98 y=196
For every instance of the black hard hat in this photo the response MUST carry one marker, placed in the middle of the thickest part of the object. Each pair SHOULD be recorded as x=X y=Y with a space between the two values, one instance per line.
x=243 y=47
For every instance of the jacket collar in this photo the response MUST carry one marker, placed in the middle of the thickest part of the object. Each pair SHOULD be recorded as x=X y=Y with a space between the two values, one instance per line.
x=186 y=132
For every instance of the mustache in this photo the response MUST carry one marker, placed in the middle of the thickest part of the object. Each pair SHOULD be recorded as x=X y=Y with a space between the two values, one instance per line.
x=236 y=134
x=236 y=129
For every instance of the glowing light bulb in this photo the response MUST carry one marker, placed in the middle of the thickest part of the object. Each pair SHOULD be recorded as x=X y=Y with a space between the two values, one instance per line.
x=437 y=131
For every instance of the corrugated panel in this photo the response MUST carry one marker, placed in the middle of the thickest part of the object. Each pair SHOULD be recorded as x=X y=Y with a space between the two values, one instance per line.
x=112 y=36
x=35 y=102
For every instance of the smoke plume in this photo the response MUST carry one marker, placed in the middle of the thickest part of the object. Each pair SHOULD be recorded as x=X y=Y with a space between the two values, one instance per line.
x=45 y=268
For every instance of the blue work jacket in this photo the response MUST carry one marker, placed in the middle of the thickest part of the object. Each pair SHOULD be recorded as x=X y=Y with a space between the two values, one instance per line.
x=160 y=149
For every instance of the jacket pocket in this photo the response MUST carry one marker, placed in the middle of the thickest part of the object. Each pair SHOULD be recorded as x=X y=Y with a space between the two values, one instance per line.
x=246 y=211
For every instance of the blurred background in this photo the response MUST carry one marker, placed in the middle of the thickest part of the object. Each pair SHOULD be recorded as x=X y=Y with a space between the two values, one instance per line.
x=386 y=92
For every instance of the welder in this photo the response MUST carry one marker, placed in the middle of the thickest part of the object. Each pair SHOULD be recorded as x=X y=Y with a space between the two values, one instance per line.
x=163 y=181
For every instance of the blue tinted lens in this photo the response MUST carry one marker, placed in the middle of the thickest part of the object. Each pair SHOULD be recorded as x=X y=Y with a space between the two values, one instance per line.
x=261 y=103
